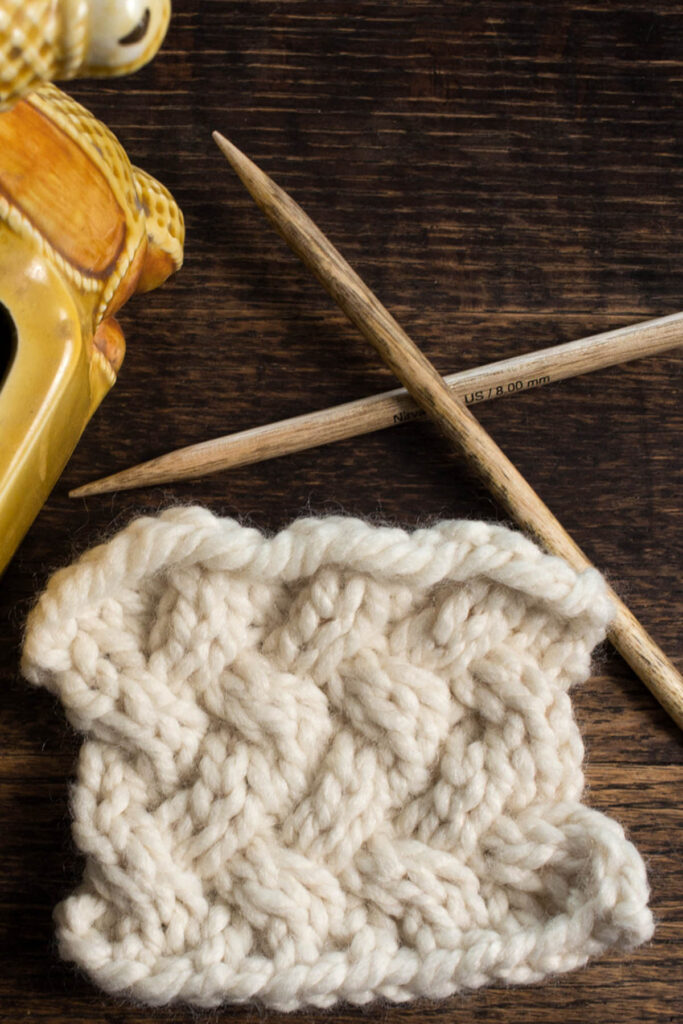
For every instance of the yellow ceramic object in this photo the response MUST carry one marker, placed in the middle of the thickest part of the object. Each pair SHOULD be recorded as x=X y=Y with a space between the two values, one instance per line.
x=46 y=40
x=81 y=229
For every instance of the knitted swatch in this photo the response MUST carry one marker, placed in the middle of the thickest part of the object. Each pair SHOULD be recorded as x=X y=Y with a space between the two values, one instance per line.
x=337 y=764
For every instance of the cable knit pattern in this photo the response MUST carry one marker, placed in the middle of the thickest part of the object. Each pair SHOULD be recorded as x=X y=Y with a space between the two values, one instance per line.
x=335 y=764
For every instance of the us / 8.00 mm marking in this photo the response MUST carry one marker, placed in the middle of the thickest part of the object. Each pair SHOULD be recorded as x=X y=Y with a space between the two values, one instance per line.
x=504 y=389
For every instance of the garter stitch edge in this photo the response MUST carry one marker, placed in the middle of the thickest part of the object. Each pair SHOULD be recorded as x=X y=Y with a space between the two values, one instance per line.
x=335 y=764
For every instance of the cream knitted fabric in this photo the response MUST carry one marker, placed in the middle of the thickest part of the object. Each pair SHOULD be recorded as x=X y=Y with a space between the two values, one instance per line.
x=336 y=764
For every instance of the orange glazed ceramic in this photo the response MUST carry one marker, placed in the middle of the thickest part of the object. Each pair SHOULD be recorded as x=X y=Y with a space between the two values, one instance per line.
x=81 y=230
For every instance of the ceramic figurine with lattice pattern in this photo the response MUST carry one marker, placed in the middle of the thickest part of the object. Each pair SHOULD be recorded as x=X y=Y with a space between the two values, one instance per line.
x=81 y=230
x=50 y=40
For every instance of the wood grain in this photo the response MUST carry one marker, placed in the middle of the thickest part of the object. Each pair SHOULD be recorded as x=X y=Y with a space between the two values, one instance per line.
x=502 y=379
x=428 y=388
x=539 y=202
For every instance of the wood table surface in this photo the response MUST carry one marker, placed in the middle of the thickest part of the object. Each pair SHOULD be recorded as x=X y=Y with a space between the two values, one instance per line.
x=506 y=176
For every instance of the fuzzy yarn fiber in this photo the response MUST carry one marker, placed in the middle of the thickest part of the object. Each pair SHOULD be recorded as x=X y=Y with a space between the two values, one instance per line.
x=335 y=764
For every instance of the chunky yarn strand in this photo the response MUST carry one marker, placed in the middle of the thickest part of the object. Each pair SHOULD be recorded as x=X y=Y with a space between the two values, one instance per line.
x=339 y=763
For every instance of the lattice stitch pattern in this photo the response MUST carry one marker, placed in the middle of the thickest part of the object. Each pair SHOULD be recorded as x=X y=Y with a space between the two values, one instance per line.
x=339 y=763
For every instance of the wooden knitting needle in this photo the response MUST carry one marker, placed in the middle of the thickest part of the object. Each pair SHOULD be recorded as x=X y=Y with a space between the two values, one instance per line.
x=427 y=387
x=505 y=377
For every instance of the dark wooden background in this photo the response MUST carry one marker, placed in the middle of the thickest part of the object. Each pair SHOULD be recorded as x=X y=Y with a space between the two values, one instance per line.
x=506 y=176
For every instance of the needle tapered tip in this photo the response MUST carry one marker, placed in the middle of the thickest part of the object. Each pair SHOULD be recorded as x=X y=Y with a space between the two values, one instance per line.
x=223 y=143
x=103 y=486
x=274 y=202
x=235 y=157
